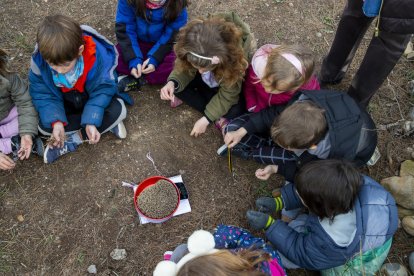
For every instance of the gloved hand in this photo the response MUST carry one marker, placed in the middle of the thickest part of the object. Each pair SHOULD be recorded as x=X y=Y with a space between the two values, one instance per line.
x=269 y=205
x=259 y=220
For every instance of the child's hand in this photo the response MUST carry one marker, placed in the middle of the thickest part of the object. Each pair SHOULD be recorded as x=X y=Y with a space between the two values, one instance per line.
x=147 y=68
x=232 y=138
x=6 y=163
x=26 y=144
x=136 y=72
x=59 y=135
x=264 y=174
x=167 y=92
x=200 y=127
x=93 y=134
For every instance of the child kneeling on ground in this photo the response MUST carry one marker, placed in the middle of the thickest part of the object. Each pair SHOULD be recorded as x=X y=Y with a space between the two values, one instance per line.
x=316 y=124
x=72 y=83
x=18 y=119
x=228 y=251
x=350 y=223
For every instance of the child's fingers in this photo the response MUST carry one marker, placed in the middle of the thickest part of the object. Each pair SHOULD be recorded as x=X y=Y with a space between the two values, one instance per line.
x=6 y=163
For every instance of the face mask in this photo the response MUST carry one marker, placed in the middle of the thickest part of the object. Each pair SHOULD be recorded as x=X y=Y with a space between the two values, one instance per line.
x=70 y=78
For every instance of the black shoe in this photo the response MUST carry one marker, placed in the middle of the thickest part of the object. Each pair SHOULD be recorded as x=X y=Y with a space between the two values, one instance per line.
x=37 y=147
x=128 y=83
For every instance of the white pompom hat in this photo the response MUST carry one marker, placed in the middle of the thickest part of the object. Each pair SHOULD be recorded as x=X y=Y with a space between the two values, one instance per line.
x=200 y=243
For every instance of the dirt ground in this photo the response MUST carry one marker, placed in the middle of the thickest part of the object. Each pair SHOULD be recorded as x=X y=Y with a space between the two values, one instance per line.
x=60 y=218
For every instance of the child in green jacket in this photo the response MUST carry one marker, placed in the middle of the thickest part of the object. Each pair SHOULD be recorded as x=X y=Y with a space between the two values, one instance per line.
x=212 y=56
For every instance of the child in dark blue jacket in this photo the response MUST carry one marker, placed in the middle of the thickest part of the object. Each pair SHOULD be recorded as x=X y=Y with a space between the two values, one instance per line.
x=73 y=86
x=145 y=30
x=350 y=224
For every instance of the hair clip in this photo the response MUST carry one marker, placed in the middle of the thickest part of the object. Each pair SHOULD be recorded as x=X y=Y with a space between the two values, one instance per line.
x=214 y=59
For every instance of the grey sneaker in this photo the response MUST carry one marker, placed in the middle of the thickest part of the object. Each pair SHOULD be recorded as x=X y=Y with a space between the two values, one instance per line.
x=119 y=130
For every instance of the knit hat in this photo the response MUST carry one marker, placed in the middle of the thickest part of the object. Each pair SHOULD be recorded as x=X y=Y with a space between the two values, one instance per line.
x=200 y=243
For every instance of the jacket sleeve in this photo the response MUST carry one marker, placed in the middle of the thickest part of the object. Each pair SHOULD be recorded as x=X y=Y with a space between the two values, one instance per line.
x=249 y=90
x=164 y=44
x=303 y=249
x=126 y=34
x=48 y=104
x=181 y=78
x=221 y=103
x=28 y=119
x=262 y=121
x=312 y=84
x=101 y=91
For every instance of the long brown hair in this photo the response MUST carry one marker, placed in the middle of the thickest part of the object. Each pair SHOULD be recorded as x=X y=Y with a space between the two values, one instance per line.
x=281 y=75
x=3 y=63
x=212 y=37
x=172 y=8
x=225 y=263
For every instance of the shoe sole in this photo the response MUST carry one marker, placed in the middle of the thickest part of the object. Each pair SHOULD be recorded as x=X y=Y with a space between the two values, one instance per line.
x=45 y=154
x=122 y=132
x=221 y=151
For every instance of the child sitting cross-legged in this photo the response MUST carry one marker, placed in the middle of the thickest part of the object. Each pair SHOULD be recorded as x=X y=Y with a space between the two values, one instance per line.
x=229 y=251
x=73 y=86
x=349 y=227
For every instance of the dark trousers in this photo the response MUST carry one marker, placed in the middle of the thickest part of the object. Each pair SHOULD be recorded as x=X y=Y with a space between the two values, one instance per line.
x=198 y=94
x=74 y=104
x=382 y=54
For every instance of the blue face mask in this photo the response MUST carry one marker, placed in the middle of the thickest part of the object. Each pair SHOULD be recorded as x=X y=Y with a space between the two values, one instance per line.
x=70 y=78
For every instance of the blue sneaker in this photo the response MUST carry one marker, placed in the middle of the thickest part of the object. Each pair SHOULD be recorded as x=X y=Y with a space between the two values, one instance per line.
x=119 y=130
x=71 y=144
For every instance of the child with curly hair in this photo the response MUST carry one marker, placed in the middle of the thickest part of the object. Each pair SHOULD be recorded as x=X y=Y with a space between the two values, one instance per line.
x=212 y=56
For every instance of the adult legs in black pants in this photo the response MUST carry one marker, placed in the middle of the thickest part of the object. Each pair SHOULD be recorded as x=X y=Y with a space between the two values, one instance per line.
x=382 y=54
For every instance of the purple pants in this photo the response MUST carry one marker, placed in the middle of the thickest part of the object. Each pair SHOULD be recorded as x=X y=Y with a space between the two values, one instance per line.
x=9 y=127
x=161 y=73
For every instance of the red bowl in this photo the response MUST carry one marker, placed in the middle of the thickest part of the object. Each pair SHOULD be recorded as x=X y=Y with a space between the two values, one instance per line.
x=147 y=183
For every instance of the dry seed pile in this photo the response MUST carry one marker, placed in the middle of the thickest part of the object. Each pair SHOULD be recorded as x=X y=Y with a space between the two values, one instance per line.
x=158 y=200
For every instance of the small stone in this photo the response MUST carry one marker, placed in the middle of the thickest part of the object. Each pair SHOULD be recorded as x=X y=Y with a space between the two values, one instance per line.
x=411 y=261
x=394 y=269
x=401 y=188
x=118 y=254
x=20 y=218
x=92 y=269
x=402 y=212
x=407 y=168
x=408 y=224
x=290 y=4
x=318 y=34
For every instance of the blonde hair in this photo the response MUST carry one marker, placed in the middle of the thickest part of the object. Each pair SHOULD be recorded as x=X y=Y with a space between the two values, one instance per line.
x=281 y=75
x=212 y=37
x=225 y=263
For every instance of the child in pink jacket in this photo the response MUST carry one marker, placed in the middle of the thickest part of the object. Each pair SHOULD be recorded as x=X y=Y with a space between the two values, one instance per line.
x=276 y=73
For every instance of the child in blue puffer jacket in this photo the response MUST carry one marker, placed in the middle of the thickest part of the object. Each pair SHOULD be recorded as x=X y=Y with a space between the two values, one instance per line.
x=350 y=224
x=73 y=86
x=145 y=30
